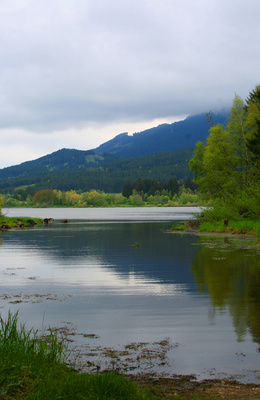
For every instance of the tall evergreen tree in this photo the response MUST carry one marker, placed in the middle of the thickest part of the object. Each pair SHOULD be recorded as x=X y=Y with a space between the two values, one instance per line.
x=252 y=108
x=127 y=189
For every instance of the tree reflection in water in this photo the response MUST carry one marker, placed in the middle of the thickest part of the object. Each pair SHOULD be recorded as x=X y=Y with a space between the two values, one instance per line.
x=230 y=271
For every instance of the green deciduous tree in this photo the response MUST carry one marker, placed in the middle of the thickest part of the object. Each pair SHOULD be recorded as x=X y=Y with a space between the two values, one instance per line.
x=217 y=160
x=226 y=166
x=212 y=164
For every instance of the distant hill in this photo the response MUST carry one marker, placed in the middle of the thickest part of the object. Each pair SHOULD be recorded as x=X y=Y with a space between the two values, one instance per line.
x=160 y=153
x=60 y=160
x=107 y=175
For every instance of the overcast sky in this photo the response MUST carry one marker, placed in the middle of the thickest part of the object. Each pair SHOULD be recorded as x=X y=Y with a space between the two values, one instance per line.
x=75 y=73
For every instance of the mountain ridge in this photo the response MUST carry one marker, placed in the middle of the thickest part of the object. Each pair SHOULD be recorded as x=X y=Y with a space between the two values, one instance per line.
x=162 y=153
x=164 y=137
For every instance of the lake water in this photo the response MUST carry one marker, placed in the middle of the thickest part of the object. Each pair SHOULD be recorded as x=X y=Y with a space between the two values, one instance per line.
x=132 y=296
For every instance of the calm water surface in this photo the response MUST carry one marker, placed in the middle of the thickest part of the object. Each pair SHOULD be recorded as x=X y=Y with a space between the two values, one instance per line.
x=175 y=304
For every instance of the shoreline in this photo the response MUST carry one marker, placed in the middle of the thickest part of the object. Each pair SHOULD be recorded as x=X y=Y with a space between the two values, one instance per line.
x=223 y=228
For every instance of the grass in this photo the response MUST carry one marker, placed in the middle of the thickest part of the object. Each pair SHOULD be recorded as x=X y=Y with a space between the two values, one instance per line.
x=14 y=222
x=34 y=368
x=234 y=227
x=181 y=227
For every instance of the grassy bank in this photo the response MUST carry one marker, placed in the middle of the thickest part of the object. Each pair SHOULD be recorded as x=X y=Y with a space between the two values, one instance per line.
x=233 y=227
x=243 y=227
x=235 y=216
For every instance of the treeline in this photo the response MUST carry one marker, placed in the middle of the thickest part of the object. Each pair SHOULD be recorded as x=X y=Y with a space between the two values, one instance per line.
x=57 y=198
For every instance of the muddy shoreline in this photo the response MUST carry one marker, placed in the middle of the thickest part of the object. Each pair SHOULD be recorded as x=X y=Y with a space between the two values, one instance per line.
x=186 y=387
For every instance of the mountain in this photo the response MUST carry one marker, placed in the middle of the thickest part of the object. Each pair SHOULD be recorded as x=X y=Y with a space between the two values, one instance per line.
x=160 y=153
x=163 y=138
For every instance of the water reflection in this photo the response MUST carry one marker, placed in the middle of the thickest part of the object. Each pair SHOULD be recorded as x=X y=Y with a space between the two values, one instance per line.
x=230 y=272
x=80 y=252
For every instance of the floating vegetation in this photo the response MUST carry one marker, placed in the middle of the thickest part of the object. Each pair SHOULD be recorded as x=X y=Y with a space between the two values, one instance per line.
x=32 y=298
x=133 y=357
x=90 y=335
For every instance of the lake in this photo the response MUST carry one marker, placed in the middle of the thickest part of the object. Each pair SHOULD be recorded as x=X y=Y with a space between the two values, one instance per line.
x=134 y=297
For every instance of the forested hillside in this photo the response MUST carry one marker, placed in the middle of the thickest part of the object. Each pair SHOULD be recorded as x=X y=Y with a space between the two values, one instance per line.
x=109 y=176
x=60 y=160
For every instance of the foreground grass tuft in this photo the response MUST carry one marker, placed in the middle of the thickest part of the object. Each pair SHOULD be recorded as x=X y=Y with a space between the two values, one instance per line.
x=34 y=368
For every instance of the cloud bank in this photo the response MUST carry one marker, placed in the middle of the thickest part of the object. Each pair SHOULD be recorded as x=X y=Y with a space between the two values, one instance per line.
x=75 y=73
